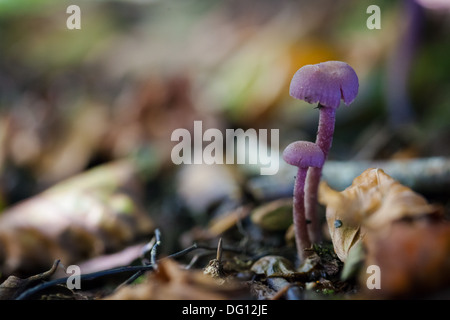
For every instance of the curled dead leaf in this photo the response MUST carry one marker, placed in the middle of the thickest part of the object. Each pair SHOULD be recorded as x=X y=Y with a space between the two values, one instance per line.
x=373 y=202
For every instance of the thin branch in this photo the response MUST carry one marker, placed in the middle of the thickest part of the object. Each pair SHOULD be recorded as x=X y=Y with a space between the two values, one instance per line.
x=186 y=251
x=154 y=251
x=152 y=247
x=136 y=269
x=28 y=293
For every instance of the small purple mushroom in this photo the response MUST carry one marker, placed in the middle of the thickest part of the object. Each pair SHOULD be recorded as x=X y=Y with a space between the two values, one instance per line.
x=302 y=154
x=325 y=83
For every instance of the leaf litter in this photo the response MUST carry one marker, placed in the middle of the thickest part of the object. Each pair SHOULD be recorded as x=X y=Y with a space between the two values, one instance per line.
x=411 y=244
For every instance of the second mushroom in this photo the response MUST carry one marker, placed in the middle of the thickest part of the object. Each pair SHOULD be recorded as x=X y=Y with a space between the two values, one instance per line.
x=302 y=154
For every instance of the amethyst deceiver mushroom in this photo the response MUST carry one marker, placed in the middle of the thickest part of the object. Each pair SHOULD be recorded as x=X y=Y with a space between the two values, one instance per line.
x=302 y=154
x=325 y=83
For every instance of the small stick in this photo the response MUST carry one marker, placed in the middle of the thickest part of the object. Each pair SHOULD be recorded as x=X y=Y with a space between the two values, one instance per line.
x=45 y=274
x=26 y=294
x=147 y=248
x=192 y=262
x=152 y=247
x=90 y=276
x=185 y=251
x=154 y=250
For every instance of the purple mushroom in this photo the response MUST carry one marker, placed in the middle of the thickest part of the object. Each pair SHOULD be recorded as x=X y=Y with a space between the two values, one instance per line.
x=302 y=154
x=325 y=83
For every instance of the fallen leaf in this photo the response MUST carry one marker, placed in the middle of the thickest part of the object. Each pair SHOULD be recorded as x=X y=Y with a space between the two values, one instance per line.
x=373 y=202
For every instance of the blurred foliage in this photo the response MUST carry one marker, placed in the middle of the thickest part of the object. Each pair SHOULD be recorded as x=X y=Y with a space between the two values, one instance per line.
x=141 y=64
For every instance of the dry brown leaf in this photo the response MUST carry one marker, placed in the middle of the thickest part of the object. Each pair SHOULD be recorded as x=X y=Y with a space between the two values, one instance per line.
x=90 y=214
x=372 y=202
x=171 y=282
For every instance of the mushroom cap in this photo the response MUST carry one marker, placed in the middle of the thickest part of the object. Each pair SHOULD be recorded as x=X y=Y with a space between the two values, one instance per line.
x=304 y=154
x=326 y=83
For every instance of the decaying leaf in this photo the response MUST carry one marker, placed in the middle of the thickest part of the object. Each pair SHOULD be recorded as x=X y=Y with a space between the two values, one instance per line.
x=373 y=202
x=171 y=282
x=82 y=217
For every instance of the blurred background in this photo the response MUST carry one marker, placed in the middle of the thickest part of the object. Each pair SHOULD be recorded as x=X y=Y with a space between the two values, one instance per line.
x=71 y=100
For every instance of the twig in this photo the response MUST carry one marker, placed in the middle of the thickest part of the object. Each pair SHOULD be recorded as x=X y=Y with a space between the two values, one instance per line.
x=152 y=246
x=186 y=251
x=148 y=247
x=154 y=251
x=26 y=294
x=90 y=276
x=193 y=261
x=45 y=274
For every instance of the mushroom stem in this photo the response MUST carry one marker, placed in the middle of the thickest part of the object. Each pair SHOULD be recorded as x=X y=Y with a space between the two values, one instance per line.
x=302 y=239
x=324 y=140
x=325 y=131
x=311 y=201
